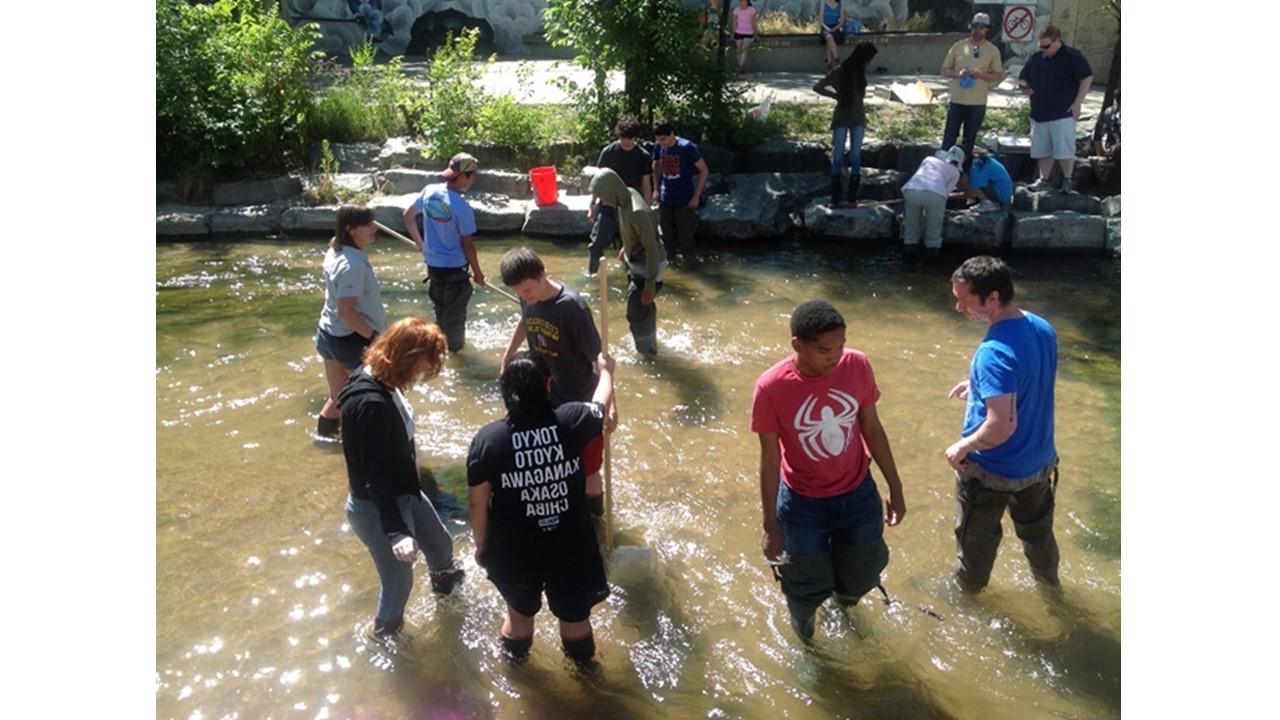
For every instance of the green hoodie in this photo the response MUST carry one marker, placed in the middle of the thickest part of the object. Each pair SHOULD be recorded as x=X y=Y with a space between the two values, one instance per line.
x=636 y=224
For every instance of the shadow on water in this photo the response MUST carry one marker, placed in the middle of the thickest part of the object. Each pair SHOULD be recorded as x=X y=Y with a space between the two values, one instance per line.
x=700 y=400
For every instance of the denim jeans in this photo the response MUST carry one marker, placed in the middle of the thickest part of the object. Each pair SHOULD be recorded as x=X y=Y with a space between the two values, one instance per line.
x=395 y=575
x=449 y=297
x=603 y=233
x=853 y=160
x=970 y=116
x=832 y=545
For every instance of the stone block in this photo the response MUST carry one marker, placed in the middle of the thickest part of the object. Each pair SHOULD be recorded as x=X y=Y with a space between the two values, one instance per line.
x=399 y=181
x=566 y=218
x=1062 y=231
x=786 y=156
x=1111 y=206
x=1050 y=201
x=168 y=193
x=247 y=219
x=498 y=213
x=718 y=159
x=987 y=230
x=301 y=220
x=258 y=192
x=878 y=184
x=183 y=220
x=1113 y=234
x=880 y=154
x=873 y=222
x=403 y=152
x=389 y=210
x=756 y=204
x=910 y=156
x=351 y=157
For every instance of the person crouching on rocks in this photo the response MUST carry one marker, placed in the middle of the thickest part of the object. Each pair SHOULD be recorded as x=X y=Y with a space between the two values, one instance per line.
x=528 y=475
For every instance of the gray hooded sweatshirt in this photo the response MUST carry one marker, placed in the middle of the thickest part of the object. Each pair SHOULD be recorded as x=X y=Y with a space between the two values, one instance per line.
x=636 y=224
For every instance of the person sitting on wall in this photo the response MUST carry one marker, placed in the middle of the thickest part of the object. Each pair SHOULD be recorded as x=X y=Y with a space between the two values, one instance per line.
x=831 y=30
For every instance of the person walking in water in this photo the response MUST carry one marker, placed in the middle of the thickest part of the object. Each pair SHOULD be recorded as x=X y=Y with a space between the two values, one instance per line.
x=815 y=414
x=1005 y=457
x=643 y=253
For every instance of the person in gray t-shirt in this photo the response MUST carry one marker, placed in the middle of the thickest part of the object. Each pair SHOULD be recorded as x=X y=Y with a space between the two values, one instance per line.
x=556 y=323
x=353 y=314
x=634 y=165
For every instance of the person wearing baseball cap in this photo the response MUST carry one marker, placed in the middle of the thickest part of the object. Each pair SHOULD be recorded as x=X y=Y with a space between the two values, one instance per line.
x=973 y=64
x=924 y=200
x=443 y=234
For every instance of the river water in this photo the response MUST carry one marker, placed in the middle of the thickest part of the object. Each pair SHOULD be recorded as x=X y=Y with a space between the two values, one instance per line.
x=264 y=596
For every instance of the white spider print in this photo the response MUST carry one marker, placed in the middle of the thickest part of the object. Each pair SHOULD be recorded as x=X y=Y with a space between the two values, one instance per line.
x=826 y=436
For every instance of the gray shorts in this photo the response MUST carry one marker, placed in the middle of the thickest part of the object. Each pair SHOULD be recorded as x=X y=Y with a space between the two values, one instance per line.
x=1056 y=137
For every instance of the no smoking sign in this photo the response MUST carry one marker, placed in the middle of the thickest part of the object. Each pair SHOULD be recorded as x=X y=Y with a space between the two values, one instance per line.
x=1019 y=22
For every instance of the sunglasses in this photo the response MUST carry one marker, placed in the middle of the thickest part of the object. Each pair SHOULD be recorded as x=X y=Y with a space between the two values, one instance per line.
x=1046 y=47
x=976 y=50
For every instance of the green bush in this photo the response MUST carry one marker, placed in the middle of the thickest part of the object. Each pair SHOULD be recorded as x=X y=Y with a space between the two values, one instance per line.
x=364 y=102
x=445 y=111
x=231 y=86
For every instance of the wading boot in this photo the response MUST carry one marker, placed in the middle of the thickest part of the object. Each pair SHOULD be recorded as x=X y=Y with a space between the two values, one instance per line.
x=443 y=582
x=326 y=427
x=835 y=192
x=854 y=182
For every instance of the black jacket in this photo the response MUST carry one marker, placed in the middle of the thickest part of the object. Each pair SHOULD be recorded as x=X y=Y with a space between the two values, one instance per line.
x=380 y=459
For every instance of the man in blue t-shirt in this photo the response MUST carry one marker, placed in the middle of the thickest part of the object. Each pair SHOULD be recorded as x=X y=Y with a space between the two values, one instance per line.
x=675 y=160
x=1005 y=456
x=444 y=237
x=1058 y=79
x=989 y=182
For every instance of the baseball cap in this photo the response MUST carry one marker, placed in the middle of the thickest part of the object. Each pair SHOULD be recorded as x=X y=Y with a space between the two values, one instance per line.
x=982 y=19
x=460 y=164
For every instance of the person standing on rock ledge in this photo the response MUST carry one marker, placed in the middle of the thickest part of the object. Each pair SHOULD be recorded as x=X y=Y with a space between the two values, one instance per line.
x=444 y=238
x=973 y=64
x=1058 y=79
x=1006 y=456
x=634 y=165
x=847 y=84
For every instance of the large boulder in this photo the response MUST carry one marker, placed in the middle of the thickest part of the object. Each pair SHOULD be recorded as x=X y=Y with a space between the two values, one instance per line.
x=513 y=184
x=403 y=152
x=246 y=220
x=258 y=192
x=497 y=212
x=871 y=222
x=1113 y=234
x=880 y=184
x=880 y=154
x=910 y=156
x=786 y=156
x=1111 y=206
x=566 y=218
x=302 y=220
x=389 y=210
x=757 y=204
x=987 y=230
x=351 y=157
x=1050 y=201
x=400 y=181
x=183 y=220
x=1062 y=231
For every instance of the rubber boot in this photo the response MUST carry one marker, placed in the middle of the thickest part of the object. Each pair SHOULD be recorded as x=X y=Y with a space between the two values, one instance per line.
x=854 y=182
x=835 y=193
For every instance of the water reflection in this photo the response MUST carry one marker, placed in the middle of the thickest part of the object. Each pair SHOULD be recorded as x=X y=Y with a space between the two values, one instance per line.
x=264 y=597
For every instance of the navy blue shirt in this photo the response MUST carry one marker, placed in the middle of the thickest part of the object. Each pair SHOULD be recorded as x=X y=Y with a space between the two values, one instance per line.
x=676 y=171
x=1054 y=82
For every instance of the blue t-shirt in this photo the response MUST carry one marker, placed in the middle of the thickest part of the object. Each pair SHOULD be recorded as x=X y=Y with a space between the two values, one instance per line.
x=446 y=218
x=991 y=171
x=1054 y=82
x=676 y=171
x=1018 y=355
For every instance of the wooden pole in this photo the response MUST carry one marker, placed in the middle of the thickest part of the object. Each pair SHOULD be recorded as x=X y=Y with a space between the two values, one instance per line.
x=608 y=464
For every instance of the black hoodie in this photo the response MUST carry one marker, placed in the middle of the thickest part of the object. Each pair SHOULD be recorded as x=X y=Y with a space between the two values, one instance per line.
x=381 y=464
x=847 y=84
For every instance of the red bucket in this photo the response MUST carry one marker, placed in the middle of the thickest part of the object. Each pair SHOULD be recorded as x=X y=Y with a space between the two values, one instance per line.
x=545 y=189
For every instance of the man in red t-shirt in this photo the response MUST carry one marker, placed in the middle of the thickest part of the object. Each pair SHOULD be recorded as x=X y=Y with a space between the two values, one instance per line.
x=815 y=413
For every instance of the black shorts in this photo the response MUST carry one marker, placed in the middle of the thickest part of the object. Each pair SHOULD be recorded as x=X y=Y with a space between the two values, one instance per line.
x=573 y=585
x=743 y=36
x=838 y=35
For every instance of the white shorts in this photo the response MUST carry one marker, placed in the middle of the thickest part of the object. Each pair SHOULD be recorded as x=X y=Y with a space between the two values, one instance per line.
x=1056 y=138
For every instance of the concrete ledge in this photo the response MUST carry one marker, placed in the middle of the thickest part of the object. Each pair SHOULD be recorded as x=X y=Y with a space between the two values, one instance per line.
x=864 y=223
x=1063 y=231
x=567 y=218
x=321 y=218
x=497 y=213
x=247 y=219
x=986 y=230
x=1051 y=201
x=257 y=192
x=183 y=220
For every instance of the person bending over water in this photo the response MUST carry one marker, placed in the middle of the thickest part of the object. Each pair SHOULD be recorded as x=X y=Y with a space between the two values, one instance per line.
x=353 y=314
x=531 y=475
x=386 y=506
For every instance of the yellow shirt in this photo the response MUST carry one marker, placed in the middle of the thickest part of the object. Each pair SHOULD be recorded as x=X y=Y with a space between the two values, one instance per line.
x=960 y=56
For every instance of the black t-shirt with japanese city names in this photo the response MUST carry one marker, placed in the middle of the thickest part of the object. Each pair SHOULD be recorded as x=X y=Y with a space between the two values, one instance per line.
x=631 y=165
x=537 y=472
x=562 y=330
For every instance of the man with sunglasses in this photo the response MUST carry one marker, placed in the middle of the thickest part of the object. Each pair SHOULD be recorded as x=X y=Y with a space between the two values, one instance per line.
x=974 y=65
x=444 y=237
x=1057 y=78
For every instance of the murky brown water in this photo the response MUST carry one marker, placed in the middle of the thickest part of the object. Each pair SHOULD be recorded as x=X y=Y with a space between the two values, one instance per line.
x=264 y=595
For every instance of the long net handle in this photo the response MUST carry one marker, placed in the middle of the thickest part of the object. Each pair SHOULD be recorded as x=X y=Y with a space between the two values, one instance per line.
x=608 y=460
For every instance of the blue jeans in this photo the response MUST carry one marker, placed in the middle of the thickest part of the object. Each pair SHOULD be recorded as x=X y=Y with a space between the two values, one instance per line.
x=970 y=116
x=832 y=545
x=395 y=575
x=854 y=158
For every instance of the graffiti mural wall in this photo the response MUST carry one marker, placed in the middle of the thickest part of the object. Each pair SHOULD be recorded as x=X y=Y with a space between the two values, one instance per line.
x=391 y=23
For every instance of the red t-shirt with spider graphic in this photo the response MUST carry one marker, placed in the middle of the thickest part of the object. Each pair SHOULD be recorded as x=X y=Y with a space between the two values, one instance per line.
x=816 y=421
